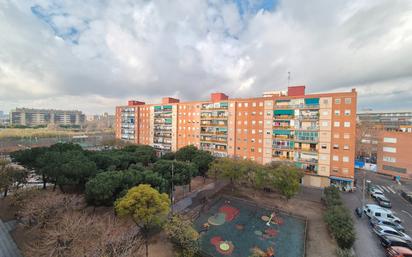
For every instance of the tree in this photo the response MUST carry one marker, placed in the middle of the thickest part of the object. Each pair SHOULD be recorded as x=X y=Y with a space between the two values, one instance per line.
x=10 y=175
x=183 y=236
x=203 y=159
x=144 y=154
x=76 y=170
x=186 y=153
x=182 y=171
x=286 y=178
x=169 y=156
x=227 y=168
x=147 y=208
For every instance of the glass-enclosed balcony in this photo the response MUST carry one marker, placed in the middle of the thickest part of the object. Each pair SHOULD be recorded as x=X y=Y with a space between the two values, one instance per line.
x=283 y=134
x=213 y=115
x=306 y=136
x=283 y=144
x=214 y=123
x=215 y=106
x=282 y=124
x=213 y=131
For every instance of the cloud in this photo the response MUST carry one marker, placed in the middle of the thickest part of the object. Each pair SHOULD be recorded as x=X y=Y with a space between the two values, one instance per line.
x=93 y=55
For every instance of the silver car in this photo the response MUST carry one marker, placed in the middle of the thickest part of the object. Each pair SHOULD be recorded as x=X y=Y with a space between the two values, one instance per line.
x=382 y=230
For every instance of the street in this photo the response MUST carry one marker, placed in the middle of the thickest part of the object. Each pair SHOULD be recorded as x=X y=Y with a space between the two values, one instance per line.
x=367 y=244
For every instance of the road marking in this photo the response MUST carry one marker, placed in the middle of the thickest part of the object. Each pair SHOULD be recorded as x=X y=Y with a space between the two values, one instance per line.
x=384 y=188
x=407 y=213
x=380 y=188
x=390 y=188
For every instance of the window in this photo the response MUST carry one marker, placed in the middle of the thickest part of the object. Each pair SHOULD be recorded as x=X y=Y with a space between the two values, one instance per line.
x=259 y=150
x=389 y=149
x=268 y=113
x=325 y=101
x=246 y=104
x=335 y=158
x=325 y=113
x=325 y=123
x=239 y=105
x=253 y=131
x=345 y=170
x=336 y=135
x=337 y=113
x=346 y=147
x=347 y=112
x=345 y=159
x=260 y=104
x=346 y=136
x=324 y=146
x=254 y=104
x=253 y=122
x=348 y=100
x=389 y=159
x=245 y=122
x=335 y=146
x=231 y=104
x=252 y=140
x=335 y=169
x=337 y=101
x=267 y=132
x=336 y=124
x=389 y=140
x=346 y=124
x=252 y=149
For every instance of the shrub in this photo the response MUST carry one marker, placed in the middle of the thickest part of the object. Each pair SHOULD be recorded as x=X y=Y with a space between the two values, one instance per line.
x=183 y=237
x=344 y=252
x=338 y=219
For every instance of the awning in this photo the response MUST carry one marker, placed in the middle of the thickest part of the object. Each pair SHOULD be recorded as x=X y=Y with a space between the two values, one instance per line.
x=284 y=112
x=342 y=179
x=311 y=100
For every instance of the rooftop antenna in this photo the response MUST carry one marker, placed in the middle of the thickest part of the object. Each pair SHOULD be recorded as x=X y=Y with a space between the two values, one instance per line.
x=288 y=78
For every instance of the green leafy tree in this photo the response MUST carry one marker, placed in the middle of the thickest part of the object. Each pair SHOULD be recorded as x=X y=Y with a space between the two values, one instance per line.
x=340 y=224
x=29 y=159
x=186 y=153
x=182 y=171
x=203 y=159
x=227 y=168
x=75 y=170
x=146 y=207
x=169 y=156
x=286 y=179
x=144 y=154
x=183 y=236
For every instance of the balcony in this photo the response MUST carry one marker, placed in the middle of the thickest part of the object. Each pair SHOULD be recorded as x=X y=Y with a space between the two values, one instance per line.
x=297 y=106
x=315 y=128
x=283 y=117
x=308 y=117
x=308 y=150
x=312 y=160
x=210 y=124
x=209 y=117
x=283 y=147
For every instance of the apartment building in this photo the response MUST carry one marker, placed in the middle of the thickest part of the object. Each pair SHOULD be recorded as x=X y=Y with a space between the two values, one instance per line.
x=393 y=157
x=314 y=131
x=40 y=117
x=385 y=120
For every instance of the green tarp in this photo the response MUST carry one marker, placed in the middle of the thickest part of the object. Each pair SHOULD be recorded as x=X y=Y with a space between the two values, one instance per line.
x=281 y=132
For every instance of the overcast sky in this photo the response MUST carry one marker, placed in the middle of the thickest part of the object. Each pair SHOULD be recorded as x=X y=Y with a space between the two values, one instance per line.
x=94 y=55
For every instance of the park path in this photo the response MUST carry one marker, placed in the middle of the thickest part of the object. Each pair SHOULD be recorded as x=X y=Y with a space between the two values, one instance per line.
x=8 y=247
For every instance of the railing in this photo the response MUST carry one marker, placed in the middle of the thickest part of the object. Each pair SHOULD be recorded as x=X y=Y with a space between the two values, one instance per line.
x=214 y=141
x=297 y=106
x=313 y=140
x=308 y=117
x=310 y=150
x=283 y=117
x=307 y=128
x=213 y=125
x=283 y=147
x=213 y=117
x=313 y=160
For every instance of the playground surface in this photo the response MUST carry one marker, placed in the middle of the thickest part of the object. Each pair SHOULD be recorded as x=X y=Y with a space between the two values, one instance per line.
x=233 y=227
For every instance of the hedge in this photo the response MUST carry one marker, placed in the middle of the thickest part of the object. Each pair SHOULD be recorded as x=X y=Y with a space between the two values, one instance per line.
x=338 y=219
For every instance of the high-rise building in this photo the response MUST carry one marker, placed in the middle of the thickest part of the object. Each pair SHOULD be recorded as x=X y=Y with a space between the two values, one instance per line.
x=39 y=117
x=314 y=131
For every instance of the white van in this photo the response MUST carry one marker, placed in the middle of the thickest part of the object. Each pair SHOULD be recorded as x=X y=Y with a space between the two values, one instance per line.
x=373 y=210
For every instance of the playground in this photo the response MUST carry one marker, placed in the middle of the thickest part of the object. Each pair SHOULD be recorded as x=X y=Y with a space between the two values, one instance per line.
x=233 y=227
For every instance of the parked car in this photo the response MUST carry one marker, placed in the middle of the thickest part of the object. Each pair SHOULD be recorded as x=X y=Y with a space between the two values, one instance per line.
x=373 y=210
x=388 y=241
x=398 y=251
x=381 y=230
x=385 y=222
x=383 y=201
x=376 y=192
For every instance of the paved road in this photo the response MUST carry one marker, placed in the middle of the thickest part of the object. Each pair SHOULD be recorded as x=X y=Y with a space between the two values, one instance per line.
x=367 y=244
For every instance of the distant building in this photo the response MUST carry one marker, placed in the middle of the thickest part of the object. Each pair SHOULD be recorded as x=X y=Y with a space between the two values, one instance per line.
x=370 y=126
x=4 y=119
x=102 y=121
x=316 y=132
x=39 y=117
x=386 y=120
x=394 y=153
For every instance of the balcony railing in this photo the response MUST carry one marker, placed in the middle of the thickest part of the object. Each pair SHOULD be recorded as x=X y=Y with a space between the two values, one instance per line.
x=308 y=117
x=309 y=150
x=307 y=128
x=312 y=160
x=283 y=117
x=297 y=106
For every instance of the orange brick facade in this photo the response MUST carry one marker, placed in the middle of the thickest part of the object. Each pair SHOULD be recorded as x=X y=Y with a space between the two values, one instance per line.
x=315 y=131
